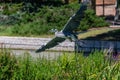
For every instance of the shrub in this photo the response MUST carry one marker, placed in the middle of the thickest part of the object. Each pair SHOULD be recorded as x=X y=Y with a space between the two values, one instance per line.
x=41 y=22
x=11 y=8
x=10 y=14
x=47 y=17
x=90 y=20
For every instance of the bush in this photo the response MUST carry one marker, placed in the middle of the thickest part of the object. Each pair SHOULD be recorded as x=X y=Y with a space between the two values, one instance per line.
x=42 y=22
x=10 y=14
x=90 y=20
x=30 y=29
x=48 y=17
x=11 y=8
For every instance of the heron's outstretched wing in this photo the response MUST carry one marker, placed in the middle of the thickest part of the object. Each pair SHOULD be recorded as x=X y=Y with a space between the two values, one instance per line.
x=55 y=41
x=74 y=21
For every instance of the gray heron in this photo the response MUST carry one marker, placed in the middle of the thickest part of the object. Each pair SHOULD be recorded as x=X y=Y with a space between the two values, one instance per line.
x=68 y=30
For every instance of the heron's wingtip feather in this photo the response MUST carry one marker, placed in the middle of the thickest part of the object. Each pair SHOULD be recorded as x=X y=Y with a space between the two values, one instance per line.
x=39 y=50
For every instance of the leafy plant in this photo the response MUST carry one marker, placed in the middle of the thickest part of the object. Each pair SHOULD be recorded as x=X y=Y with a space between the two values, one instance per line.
x=8 y=64
x=43 y=21
x=11 y=8
x=68 y=66
x=90 y=20
x=26 y=23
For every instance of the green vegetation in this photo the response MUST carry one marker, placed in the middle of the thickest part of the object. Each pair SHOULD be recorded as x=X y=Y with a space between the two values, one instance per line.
x=105 y=32
x=68 y=66
x=90 y=20
x=26 y=19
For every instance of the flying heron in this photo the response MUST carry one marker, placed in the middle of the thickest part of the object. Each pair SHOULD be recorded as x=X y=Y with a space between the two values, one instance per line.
x=68 y=30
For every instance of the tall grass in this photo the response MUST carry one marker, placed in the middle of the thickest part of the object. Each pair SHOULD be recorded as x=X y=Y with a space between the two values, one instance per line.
x=68 y=66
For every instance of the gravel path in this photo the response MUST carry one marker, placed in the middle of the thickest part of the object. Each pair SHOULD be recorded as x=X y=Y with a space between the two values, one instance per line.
x=21 y=45
x=31 y=43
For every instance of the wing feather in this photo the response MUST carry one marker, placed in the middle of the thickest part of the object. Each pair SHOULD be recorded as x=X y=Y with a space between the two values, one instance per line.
x=72 y=24
x=55 y=41
x=74 y=21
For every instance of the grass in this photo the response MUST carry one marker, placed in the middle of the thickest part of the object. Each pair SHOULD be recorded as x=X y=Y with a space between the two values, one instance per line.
x=68 y=66
x=91 y=33
x=5 y=30
x=95 y=31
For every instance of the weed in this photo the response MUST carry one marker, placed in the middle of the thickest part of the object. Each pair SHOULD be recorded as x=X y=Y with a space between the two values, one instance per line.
x=67 y=66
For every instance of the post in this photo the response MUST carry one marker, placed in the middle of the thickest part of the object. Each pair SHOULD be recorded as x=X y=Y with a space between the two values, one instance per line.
x=76 y=47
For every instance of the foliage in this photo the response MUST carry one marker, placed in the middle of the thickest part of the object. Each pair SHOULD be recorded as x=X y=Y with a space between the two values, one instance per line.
x=68 y=66
x=40 y=1
x=31 y=19
x=118 y=3
x=90 y=20
x=11 y=8
x=42 y=22
x=10 y=14
x=8 y=64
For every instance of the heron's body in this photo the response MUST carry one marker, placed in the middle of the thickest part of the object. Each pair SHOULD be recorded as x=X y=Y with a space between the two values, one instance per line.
x=60 y=34
x=68 y=31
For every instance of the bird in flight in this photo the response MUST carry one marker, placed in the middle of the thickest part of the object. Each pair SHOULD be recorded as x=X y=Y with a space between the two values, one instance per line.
x=68 y=31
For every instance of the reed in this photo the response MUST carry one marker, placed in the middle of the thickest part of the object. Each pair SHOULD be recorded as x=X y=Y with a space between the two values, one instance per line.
x=67 y=66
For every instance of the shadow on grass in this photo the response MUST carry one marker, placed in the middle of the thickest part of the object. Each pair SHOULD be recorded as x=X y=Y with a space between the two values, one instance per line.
x=113 y=35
